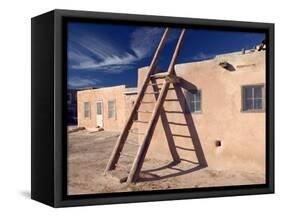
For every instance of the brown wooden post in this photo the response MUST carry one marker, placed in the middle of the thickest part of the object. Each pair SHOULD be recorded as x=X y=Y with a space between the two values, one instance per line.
x=138 y=162
x=124 y=133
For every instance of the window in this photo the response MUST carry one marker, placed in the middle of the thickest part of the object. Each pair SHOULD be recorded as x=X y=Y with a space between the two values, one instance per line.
x=111 y=109
x=99 y=108
x=193 y=100
x=87 y=110
x=253 y=98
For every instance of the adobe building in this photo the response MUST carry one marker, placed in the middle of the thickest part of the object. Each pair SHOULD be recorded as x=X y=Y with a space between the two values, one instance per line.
x=105 y=108
x=215 y=115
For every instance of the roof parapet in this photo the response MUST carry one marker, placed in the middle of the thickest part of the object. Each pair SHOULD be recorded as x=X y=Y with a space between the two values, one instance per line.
x=130 y=90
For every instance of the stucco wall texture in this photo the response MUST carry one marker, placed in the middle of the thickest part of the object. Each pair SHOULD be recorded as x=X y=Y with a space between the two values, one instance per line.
x=242 y=134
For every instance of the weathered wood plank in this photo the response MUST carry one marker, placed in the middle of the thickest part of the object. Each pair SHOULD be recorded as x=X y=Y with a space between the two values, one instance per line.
x=124 y=134
x=138 y=162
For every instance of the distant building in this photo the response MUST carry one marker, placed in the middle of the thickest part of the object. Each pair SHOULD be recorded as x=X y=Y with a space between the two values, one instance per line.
x=105 y=108
x=72 y=104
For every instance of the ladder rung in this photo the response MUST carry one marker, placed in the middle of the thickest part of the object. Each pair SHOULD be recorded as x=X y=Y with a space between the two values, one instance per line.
x=177 y=123
x=175 y=112
x=151 y=93
x=171 y=100
x=147 y=102
x=144 y=111
x=160 y=75
x=179 y=135
x=143 y=122
x=155 y=84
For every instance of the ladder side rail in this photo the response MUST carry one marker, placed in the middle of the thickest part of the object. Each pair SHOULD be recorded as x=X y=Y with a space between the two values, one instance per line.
x=176 y=52
x=124 y=133
x=138 y=162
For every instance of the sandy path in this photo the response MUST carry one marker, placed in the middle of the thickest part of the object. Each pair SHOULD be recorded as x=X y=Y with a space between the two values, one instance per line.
x=88 y=154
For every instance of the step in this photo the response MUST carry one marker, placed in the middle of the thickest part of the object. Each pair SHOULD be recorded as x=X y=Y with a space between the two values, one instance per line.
x=142 y=122
x=140 y=111
x=177 y=123
x=172 y=100
x=175 y=112
x=180 y=135
x=152 y=92
x=144 y=102
x=155 y=84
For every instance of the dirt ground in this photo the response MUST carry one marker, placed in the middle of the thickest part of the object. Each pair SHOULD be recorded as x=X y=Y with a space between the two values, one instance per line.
x=88 y=154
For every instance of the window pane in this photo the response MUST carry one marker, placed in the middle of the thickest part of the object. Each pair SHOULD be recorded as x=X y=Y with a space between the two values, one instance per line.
x=194 y=97
x=197 y=96
x=98 y=108
x=253 y=98
x=258 y=104
x=198 y=107
x=192 y=106
x=258 y=92
x=193 y=100
x=248 y=104
x=111 y=109
x=87 y=110
x=248 y=92
x=187 y=102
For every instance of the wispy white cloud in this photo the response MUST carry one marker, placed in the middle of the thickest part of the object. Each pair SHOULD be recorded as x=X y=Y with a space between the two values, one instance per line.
x=76 y=82
x=144 y=41
x=93 y=52
x=77 y=56
x=112 y=60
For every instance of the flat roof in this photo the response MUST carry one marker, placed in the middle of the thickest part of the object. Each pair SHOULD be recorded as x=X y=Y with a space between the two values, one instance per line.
x=130 y=90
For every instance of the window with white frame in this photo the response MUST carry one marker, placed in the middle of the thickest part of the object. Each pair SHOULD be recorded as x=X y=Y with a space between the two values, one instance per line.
x=87 y=110
x=193 y=101
x=111 y=109
x=253 y=98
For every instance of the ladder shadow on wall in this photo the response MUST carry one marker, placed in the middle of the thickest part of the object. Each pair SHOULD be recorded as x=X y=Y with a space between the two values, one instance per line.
x=173 y=147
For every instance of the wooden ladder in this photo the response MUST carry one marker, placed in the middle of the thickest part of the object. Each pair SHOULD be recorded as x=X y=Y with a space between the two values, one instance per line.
x=168 y=77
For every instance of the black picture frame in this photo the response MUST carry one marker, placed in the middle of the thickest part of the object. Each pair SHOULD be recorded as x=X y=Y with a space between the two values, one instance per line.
x=49 y=132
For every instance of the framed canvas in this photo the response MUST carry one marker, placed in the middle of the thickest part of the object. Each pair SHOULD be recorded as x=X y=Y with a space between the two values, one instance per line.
x=134 y=108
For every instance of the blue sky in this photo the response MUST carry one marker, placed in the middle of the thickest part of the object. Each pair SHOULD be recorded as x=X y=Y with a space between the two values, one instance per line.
x=102 y=55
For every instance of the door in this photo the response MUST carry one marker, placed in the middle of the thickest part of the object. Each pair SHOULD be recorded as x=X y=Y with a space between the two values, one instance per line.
x=99 y=118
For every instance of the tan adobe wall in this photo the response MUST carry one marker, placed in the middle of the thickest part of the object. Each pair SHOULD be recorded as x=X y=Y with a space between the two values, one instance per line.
x=242 y=133
x=129 y=102
x=104 y=95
